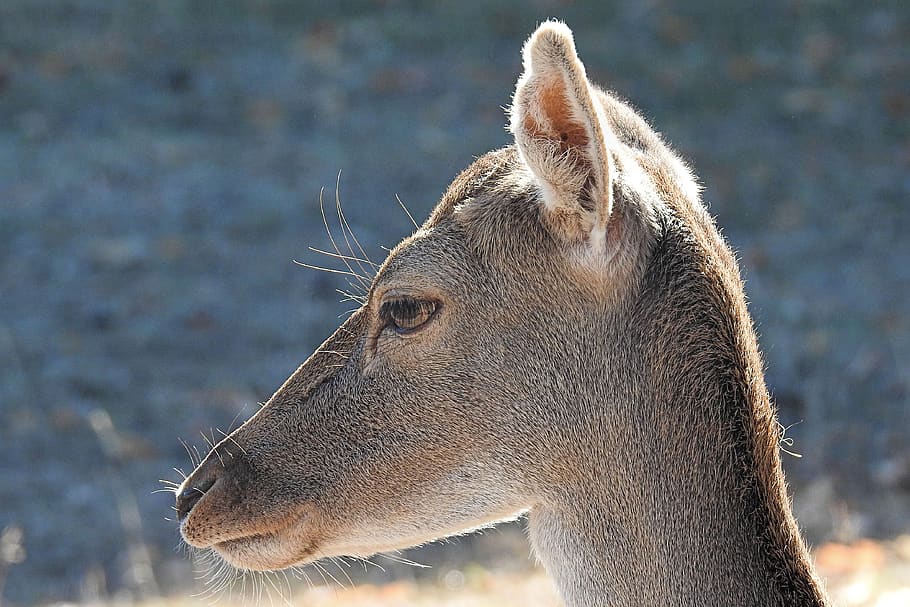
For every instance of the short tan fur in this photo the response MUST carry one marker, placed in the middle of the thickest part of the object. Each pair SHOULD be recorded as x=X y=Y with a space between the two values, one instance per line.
x=565 y=336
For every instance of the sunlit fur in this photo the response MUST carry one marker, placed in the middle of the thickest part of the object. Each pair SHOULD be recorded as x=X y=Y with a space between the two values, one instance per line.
x=590 y=361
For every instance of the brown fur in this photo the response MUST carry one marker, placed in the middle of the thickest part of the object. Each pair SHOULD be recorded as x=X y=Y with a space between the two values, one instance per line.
x=590 y=360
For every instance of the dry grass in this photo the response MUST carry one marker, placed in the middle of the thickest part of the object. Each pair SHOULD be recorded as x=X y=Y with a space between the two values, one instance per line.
x=860 y=574
x=479 y=588
x=867 y=573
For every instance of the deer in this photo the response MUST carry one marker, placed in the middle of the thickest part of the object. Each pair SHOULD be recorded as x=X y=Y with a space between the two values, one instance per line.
x=566 y=337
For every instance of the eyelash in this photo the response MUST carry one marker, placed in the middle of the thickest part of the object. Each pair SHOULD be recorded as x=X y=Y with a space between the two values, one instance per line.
x=399 y=313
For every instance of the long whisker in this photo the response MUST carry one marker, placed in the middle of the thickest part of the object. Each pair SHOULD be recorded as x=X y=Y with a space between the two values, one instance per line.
x=236 y=417
x=318 y=569
x=268 y=578
x=407 y=212
x=231 y=438
x=300 y=571
x=342 y=220
x=198 y=456
x=193 y=460
x=366 y=562
x=261 y=576
x=331 y=270
x=334 y=561
x=364 y=283
x=287 y=582
x=212 y=448
x=170 y=490
x=259 y=586
x=400 y=559
x=348 y=296
x=329 y=573
x=338 y=255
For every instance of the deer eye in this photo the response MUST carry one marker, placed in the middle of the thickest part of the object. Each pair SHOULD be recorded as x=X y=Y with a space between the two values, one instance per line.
x=407 y=315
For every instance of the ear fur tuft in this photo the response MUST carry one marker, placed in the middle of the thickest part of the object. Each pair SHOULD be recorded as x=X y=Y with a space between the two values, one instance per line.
x=551 y=46
x=559 y=130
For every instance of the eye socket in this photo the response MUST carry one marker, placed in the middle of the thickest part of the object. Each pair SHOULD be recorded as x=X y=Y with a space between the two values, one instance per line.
x=407 y=315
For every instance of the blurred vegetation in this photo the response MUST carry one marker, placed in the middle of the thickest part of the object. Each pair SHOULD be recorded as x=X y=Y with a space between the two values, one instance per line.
x=160 y=168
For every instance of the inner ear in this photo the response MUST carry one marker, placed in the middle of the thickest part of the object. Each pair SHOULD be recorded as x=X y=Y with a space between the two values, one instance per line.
x=571 y=132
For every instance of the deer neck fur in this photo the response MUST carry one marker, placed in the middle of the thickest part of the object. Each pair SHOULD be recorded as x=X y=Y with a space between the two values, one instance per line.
x=688 y=504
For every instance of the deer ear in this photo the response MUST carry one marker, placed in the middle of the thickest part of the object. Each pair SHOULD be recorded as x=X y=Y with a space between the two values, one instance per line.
x=559 y=131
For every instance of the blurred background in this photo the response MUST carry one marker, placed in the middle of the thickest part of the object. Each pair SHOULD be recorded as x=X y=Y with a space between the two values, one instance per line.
x=160 y=170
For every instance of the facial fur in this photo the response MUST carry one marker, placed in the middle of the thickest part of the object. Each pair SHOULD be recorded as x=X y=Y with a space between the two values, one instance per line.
x=567 y=321
x=383 y=440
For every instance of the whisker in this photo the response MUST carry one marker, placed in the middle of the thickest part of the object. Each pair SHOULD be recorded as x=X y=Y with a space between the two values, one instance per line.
x=407 y=212
x=262 y=585
x=220 y=579
x=206 y=439
x=307 y=577
x=189 y=452
x=369 y=562
x=212 y=448
x=400 y=559
x=345 y=225
x=351 y=297
x=233 y=440
x=337 y=255
x=331 y=270
x=216 y=574
x=300 y=571
x=356 y=287
x=318 y=569
x=287 y=583
x=334 y=561
x=243 y=588
x=329 y=573
x=234 y=421
x=364 y=283
x=285 y=599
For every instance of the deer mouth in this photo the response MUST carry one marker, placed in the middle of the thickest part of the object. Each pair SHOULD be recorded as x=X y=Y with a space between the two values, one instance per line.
x=264 y=552
x=261 y=541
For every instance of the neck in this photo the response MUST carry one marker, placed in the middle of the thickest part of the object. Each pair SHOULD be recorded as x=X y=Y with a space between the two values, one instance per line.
x=670 y=527
x=676 y=496
x=597 y=562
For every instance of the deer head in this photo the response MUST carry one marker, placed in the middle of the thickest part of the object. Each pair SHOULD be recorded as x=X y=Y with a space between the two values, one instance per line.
x=565 y=335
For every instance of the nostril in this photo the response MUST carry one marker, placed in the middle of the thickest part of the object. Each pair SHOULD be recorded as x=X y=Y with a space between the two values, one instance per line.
x=191 y=494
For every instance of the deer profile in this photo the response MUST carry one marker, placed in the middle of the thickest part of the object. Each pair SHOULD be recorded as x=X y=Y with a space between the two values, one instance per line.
x=566 y=336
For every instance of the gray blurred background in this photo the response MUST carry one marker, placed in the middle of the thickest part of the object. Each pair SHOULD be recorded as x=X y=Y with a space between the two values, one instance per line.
x=160 y=168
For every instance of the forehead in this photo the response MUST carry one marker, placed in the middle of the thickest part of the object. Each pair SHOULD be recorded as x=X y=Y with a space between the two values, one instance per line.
x=479 y=179
x=477 y=220
x=430 y=257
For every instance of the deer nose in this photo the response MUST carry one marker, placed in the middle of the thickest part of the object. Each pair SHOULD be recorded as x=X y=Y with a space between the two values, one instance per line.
x=196 y=484
x=189 y=495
